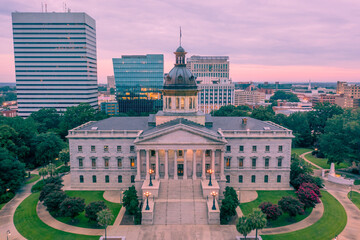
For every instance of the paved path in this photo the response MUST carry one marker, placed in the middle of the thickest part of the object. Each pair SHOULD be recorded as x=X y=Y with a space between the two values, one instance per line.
x=112 y=196
x=248 y=196
x=351 y=231
x=314 y=216
x=303 y=157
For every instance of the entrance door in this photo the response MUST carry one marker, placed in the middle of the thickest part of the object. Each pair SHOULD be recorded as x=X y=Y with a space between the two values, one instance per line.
x=180 y=169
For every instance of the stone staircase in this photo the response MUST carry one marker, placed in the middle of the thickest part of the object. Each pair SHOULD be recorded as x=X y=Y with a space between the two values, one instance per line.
x=180 y=202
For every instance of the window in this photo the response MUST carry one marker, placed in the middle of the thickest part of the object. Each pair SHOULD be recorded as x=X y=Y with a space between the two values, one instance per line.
x=241 y=162
x=132 y=162
x=132 y=148
x=240 y=178
x=227 y=162
x=241 y=148
x=180 y=153
x=106 y=148
x=177 y=103
x=279 y=162
x=132 y=178
x=119 y=179
x=278 y=178
x=228 y=148
x=106 y=162
x=253 y=162
x=118 y=148
x=81 y=178
x=94 y=178
x=254 y=148
x=169 y=99
x=207 y=153
x=253 y=178
x=194 y=103
x=93 y=149
x=280 y=148
x=93 y=162
x=227 y=178
x=266 y=178
x=207 y=167
x=81 y=163
x=190 y=103
x=79 y=148
x=119 y=162
x=152 y=153
x=107 y=179
x=267 y=148
x=267 y=162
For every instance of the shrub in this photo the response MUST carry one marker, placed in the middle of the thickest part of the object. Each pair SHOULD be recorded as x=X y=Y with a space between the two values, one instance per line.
x=6 y=197
x=93 y=208
x=272 y=211
x=243 y=226
x=54 y=180
x=72 y=207
x=292 y=206
x=308 y=197
x=130 y=200
x=306 y=178
x=313 y=187
x=228 y=205
x=53 y=200
x=62 y=169
x=47 y=189
x=137 y=219
x=355 y=171
x=37 y=187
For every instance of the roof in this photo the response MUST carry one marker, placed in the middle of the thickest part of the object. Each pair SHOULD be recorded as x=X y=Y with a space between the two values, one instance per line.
x=119 y=123
x=235 y=123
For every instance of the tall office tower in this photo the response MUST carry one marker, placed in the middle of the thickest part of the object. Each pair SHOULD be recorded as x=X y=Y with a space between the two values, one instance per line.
x=110 y=82
x=139 y=80
x=243 y=97
x=55 y=60
x=209 y=68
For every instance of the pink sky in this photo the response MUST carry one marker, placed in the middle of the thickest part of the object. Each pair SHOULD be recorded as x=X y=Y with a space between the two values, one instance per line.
x=276 y=40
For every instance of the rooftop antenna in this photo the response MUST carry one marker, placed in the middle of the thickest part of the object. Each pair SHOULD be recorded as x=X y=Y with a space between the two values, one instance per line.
x=180 y=35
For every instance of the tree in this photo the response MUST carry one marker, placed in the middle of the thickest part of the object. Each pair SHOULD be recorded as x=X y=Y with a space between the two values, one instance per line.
x=55 y=180
x=8 y=137
x=47 y=189
x=263 y=113
x=282 y=95
x=298 y=122
x=272 y=211
x=64 y=156
x=291 y=205
x=51 y=168
x=72 y=207
x=307 y=196
x=47 y=146
x=231 y=110
x=257 y=220
x=130 y=200
x=53 y=200
x=298 y=166
x=43 y=172
x=306 y=178
x=104 y=218
x=243 y=226
x=46 y=119
x=228 y=205
x=93 y=208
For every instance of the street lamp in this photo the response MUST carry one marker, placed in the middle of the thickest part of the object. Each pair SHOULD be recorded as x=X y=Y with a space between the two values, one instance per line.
x=8 y=234
x=213 y=193
x=150 y=172
x=147 y=194
x=210 y=171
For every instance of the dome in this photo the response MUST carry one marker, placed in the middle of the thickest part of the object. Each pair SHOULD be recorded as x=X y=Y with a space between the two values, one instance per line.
x=180 y=49
x=180 y=78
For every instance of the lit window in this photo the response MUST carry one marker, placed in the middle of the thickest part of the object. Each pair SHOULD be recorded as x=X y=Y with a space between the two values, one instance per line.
x=228 y=162
x=182 y=103
x=132 y=162
x=79 y=148
x=266 y=178
x=106 y=148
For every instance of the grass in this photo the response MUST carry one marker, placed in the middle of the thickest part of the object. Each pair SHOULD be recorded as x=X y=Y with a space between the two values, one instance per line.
x=355 y=198
x=89 y=196
x=300 y=151
x=31 y=227
x=33 y=178
x=357 y=182
x=274 y=197
x=2 y=205
x=322 y=162
x=330 y=224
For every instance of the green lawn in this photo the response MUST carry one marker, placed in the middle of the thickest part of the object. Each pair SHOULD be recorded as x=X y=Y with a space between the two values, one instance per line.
x=2 y=205
x=330 y=224
x=357 y=182
x=89 y=196
x=33 y=178
x=355 y=198
x=322 y=162
x=273 y=197
x=31 y=227
x=300 y=151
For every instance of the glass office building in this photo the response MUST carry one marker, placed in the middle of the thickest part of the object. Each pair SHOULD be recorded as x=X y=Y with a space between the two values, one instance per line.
x=55 y=60
x=139 y=80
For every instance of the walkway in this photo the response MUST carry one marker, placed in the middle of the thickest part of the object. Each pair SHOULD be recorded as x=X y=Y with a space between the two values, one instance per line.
x=303 y=157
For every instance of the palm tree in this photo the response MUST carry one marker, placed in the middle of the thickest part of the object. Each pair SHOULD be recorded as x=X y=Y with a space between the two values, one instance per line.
x=104 y=218
x=257 y=220
x=51 y=168
x=243 y=226
x=43 y=172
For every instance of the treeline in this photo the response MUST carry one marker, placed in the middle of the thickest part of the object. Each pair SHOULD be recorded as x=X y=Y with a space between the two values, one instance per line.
x=331 y=129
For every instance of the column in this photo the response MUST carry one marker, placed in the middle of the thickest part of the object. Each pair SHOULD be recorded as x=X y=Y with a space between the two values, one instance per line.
x=166 y=164
x=203 y=165
x=213 y=163
x=147 y=164
x=157 y=176
x=175 y=165
x=194 y=165
x=222 y=175
x=185 y=165
x=138 y=165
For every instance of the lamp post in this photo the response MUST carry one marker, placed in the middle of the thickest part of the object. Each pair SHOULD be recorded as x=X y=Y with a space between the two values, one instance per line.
x=147 y=194
x=150 y=172
x=213 y=193
x=210 y=171
x=8 y=234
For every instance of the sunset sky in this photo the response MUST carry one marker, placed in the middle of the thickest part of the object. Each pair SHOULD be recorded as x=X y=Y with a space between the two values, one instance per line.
x=288 y=40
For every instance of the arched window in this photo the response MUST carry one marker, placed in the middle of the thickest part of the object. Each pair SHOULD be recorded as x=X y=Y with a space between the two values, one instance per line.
x=182 y=103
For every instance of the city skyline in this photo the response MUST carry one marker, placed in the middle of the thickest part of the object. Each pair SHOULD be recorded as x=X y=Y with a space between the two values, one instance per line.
x=265 y=41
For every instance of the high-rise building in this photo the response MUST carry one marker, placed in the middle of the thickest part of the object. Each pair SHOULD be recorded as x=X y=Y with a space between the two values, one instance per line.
x=110 y=82
x=214 y=95
x=55 y=60
x=209 y=68
x=139 y=80
x=248 y=97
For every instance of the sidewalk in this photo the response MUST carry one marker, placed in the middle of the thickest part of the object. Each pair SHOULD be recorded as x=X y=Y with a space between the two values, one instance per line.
x=303 y=157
